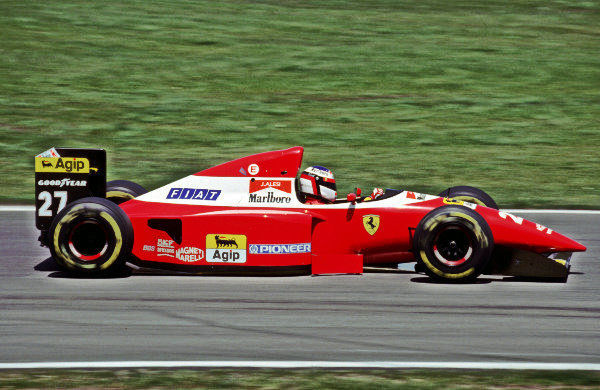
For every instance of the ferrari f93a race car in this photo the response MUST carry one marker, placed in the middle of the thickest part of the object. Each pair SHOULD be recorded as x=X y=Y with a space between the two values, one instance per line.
x=248 y=214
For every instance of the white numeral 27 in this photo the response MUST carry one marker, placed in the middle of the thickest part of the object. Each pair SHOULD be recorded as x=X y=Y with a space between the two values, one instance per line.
x=44 y=210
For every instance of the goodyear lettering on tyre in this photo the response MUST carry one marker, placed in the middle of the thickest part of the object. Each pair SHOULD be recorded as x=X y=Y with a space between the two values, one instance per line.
x=226 y=248
x=444 y=274
x=475 y=226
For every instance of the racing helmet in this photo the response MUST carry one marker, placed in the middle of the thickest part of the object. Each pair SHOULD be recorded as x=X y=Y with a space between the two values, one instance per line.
x=318 y=182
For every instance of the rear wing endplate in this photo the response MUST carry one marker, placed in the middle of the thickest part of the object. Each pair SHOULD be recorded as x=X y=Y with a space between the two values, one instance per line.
x=63 y=175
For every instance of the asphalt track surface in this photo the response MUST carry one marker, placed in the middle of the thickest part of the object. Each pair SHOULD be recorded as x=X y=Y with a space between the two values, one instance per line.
x=47 y=316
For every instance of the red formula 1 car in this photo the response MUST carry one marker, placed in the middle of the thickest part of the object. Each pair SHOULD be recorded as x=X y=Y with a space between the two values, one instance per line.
x=248 y=214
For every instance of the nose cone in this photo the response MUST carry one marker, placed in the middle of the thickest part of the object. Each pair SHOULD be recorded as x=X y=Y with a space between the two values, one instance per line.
x=547 y=240
x=571 y=245
x=575 y=246
x=511 y=230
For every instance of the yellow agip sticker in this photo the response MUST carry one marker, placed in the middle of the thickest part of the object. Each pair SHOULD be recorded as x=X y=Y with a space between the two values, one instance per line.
x=62 y=164
x=226 y=248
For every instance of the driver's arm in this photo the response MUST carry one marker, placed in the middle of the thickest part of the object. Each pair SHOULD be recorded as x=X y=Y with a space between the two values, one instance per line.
x=377 y=193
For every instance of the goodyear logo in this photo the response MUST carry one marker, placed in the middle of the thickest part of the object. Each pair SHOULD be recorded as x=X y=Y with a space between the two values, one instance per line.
x=278 y=249
x=62 y=164
x=226 y=248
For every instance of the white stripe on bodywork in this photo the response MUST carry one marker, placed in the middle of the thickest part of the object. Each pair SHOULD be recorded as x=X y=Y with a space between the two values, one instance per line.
x=235 y=193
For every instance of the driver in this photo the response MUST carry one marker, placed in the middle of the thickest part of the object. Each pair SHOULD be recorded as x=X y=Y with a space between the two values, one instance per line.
x=317 y=184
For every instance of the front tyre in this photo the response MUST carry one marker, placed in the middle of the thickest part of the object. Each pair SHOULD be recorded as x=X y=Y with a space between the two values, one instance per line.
x=119 y=191
x=91 y=236
x=453 y=244
x=469 y=194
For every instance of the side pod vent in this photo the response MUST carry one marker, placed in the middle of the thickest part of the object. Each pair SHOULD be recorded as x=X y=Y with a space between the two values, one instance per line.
x=171 y=226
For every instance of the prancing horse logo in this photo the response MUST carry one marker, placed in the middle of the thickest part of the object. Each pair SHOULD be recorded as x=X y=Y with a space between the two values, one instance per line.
x=371 y=223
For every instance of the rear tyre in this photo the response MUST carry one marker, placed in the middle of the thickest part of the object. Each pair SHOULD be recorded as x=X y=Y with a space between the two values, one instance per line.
x=453 y=244
x=91 y=236
x=119 y=191
x=469 y=194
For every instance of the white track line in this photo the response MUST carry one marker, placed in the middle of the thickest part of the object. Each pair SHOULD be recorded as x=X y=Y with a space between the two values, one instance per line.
x=545 y=211
x=17 y=208
x=515 y=211
x=304 y=364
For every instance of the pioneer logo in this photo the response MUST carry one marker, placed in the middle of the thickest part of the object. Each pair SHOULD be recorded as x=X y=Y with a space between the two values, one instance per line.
x=279 y=249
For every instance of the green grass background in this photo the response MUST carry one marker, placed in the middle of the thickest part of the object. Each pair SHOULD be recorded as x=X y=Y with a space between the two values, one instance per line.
x=298 y=379
x=504 y=95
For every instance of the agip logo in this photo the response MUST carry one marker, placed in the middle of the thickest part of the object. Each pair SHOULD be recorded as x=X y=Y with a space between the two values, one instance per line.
x=62 y=164
x=226 y=248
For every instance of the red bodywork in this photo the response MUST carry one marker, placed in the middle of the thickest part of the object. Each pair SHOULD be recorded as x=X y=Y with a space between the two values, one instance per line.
x=254 y=211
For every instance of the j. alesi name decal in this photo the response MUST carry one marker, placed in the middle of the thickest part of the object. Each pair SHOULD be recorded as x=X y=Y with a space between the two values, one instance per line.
x=226 y=248
x=193 y=193
x=270 y=191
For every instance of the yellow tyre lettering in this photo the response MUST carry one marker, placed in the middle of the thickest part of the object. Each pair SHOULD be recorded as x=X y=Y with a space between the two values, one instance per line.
x=118 y=240
x=433 y=222
x=444 y=274
x=476 y=228
x=58 y=249
x=429 y=265
x=119 y=194
x=469 y=199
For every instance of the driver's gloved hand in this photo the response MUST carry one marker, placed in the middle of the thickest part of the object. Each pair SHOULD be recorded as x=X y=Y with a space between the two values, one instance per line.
x=377 y=193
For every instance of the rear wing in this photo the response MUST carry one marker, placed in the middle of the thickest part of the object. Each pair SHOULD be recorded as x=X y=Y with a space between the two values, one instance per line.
x=63 y=175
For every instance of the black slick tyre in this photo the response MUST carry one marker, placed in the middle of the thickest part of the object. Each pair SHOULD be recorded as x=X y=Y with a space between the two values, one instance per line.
x=91 y=236
x=453 y=244
x=469 y=194
x=119 y=191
